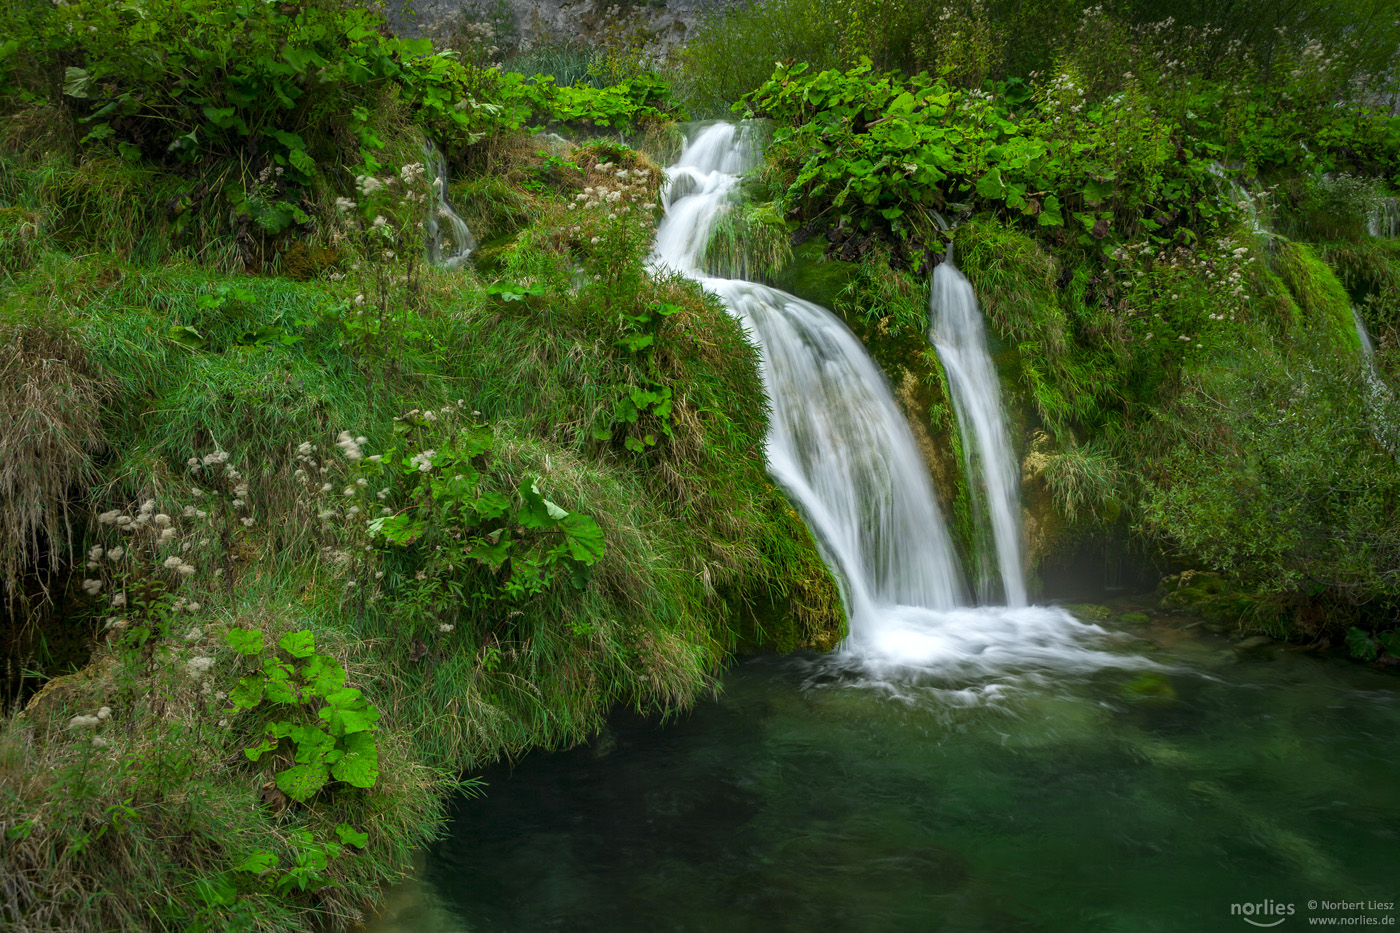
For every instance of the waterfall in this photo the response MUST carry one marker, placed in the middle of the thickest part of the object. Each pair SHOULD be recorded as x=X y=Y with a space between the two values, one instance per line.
x=451 y=250
x=837 y=441
x=960 y=338
x=839 y=445
x=1380 y=400
x=1385 y=218
x=1368 y=349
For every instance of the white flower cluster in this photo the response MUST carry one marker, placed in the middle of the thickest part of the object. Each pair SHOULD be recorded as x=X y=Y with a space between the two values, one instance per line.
x=350 y=446
x=178 y=565
x=85 y=723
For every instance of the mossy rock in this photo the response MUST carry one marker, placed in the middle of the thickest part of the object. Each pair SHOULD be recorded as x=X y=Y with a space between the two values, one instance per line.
x=303 y=261
x=812 y=277
x=1090 y=612
x=491 y=257
x=1189 y=588
x=1134 y=618
x=1150 y=686
x=1207 y=595
x=1320 y=295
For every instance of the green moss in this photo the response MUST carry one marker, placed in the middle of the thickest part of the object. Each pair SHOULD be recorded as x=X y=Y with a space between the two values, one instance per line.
x=812 y=277
x=1150 y=687
x=1134 y=619
x=1325 y=304
x=1090 y=612
x=493 y=207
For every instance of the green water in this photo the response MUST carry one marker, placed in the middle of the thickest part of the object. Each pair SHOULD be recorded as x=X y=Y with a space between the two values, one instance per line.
x=803 y=799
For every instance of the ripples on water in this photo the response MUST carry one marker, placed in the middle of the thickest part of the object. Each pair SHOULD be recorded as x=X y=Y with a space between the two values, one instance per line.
x=817 y=794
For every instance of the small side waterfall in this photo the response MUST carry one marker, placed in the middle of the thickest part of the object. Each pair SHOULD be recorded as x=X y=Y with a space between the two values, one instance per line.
x=839 y=445
x=1385 y=218
x=452 y=249
x=1380 y=400
x=960 y=338
x=1368 y=349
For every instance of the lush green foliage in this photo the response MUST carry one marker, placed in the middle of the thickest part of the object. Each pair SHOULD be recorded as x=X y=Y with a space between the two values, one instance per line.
x=574 y=574
x=631 y=101
x=339 y=745
x=875 y=153
x=1269 y=470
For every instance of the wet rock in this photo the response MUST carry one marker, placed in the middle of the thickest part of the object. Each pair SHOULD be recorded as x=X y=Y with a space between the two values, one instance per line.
x=1089 y=612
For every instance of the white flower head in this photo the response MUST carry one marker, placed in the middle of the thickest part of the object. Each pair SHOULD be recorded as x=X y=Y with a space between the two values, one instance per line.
x=350 y=446
x=199 y=666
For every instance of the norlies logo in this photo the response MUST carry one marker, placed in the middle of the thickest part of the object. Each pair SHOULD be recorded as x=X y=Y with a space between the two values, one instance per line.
x=1265 y=911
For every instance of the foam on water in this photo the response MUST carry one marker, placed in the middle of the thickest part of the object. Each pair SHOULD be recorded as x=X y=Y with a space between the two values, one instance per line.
x=841 y=448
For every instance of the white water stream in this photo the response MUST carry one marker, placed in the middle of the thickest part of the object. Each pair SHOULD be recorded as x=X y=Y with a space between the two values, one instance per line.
x=1385 y=218
x=452 y=248
x=839 y=445
x=993 y=473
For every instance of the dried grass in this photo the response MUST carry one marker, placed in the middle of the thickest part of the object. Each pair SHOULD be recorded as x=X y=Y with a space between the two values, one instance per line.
x=50 y=433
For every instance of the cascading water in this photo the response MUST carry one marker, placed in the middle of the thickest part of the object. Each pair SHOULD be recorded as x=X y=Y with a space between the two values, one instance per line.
x=452 y=249
x=960 y=338
x=1380 y=400
x=839 y=445
x=1385 y=218
x=1368 y=349
x=837 y=442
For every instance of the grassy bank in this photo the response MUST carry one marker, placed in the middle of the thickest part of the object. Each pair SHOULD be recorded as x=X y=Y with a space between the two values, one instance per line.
x=300 y=531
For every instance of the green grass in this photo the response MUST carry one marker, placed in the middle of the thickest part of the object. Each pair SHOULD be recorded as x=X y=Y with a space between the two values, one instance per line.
x=703 y=553
x=568 y=64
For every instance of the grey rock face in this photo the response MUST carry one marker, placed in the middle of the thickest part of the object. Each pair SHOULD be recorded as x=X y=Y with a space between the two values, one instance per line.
x=661 y=24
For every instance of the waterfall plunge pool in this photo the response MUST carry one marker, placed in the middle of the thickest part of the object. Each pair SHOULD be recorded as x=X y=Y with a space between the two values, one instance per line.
x=808 y=797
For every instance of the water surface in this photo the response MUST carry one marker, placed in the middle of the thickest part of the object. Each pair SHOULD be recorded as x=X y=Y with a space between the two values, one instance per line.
x=812 y=797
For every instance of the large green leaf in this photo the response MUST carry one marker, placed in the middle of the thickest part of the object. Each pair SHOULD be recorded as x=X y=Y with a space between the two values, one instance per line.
x=990 y=186
x=350 y=719
x=359 y=767
x=1096 y=191
x=301 y=782
x=584 y=537
x=298 y=644
x=244 y=641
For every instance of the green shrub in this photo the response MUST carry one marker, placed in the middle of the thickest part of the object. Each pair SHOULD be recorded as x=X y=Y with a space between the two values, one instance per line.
x=1272 y=476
